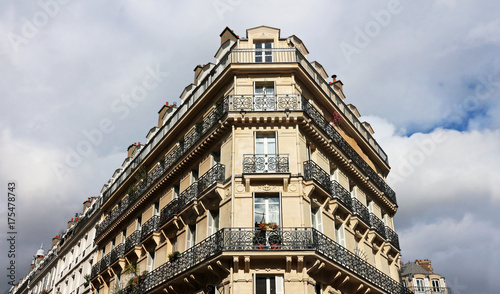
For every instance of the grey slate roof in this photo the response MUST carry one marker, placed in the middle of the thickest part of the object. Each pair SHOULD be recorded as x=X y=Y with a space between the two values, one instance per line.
x=412 y=268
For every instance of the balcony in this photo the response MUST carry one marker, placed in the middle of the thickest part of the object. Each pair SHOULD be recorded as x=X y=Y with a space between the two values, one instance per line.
x=290 y=239
x=150 y=226
x=361 y=211
x=312 y=171
x=265 y=163
x=430 y=290
x=392 y=237
x=377 y=225
x=117 y=252
x=133 y=240
x=264 y=102
x=212 y=176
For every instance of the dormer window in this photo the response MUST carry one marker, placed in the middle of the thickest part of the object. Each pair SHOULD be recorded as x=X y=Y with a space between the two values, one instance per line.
x=263 y=52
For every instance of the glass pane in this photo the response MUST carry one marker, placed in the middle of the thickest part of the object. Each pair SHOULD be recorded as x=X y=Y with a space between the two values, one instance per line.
x=260 y=285
x=259 y=90
x=259 y=213
x=271 y=146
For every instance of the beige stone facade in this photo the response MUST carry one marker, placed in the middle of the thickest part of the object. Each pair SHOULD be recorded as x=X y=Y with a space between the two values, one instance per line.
x=262 y=179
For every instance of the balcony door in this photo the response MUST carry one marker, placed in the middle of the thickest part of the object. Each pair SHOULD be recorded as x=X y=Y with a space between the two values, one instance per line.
x=267 y=209
x=264 y=99
x=265 y=152
x=263 y=52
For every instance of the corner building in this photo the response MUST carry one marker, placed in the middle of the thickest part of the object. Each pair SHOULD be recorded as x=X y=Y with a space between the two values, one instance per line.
x=262 y=180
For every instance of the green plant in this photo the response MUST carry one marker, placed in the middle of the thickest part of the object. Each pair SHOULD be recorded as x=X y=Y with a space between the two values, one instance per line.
x=87 y=280
x=141 y=174
x=174 y=255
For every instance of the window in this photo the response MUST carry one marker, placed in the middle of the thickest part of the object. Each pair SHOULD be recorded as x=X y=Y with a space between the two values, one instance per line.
x=175 y=191
x=435 y=285
x=265 y=152
x=419 y=286
x=138 y=221
x=334 y=174
x=156 y=208
x=191 y=236
x=150 y=262
x=316 y=220
x=269 y=285
x=213 y=222
x=340 y=234
x=263 y=52
x=194 y=176
x=215 y=158
x=370 y=206
x=264 y=97
x=267 y=209
x=353 y=192
x=124 y=236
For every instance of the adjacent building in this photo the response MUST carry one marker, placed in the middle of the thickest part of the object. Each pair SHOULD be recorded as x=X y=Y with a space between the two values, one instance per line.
x=65 y=269
x=420 y=278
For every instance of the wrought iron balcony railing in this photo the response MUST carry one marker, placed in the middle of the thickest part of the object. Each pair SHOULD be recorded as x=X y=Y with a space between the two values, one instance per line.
x=315 y=172
x=264 y=102
x=150 y=226
x=392 y=237
x=183 y=146
x=133 y=240
x=318 y=118
x=289 y=239
x=265 y=163
x=377 y=225
x=95 y=270
x=361 y=210
x=430 y=290
x=213 y=175
x=117 y=252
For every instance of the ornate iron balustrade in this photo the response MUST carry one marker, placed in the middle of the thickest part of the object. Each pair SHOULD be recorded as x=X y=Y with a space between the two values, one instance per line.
x=312 y=171
x=244 y=239
x=264 y=102
x=95 y=270
x=150 y=226
x=346 y=148
x=315 y=172
x=105 y=261
x=265 y=55
x=183 y=146
x=265 y=163
x=360 y=210
x=213 y=175
x=392 y=237
x=342 y=194
x=117 y=253
x=377 y=225
x=430 y=290
x=133 y=240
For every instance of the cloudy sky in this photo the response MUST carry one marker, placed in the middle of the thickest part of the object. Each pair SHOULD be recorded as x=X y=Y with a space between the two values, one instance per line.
x=426 y=75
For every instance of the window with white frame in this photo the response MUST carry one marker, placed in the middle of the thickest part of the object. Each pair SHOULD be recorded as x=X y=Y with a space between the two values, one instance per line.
x=340 y=234
x=213 y=221
x=435 y=285
x=156 y=208
x=316 y=218
x=175 y=191
x=353 y=192
x=334 y=173
x=419 y=285
x=263 y=51
x=268 y=284
x=265 y=152
x=191 y=236
x=267 y=209
x=265 y=99
x=150 y=264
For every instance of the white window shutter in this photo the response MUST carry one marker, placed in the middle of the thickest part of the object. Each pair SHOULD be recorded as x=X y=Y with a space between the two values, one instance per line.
x=426 y=283
x=319 y=220
x=279 y=285
x=210 y=222
x=342 y=235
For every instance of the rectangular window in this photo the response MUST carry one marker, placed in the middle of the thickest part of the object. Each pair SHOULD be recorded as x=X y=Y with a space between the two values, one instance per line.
x=150 y=262
x=138 y=223
x=191 y=236
x=334 y=174
x=435 y=285
x=353 y=192
x=419 y=285
x=265 y=99
x=265 y=152
x=213 y=221
x=316 y=218
x=156 y=208
x=263 y=52
x=267 y=209
x=269 y=284
x=194 y=176
x=175 y=191
x=340 y=234
x=215 y=158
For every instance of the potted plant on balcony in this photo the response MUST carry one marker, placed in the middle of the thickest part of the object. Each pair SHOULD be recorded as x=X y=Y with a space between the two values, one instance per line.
x=336 y=119
x=174 y=255
x=87 y=280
